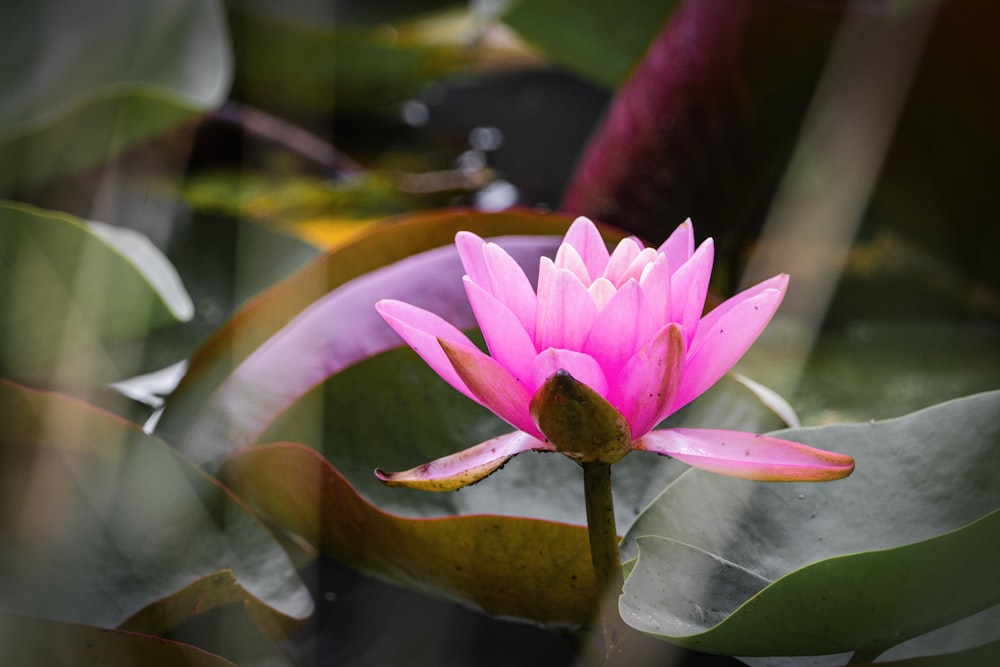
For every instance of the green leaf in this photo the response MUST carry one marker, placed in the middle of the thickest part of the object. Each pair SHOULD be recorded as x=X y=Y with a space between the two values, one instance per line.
x=36 y=641
x=600 y=40
x=522 y=568
x=905 y=545
x=77 y=89
x=101 y=522
x=70 y=300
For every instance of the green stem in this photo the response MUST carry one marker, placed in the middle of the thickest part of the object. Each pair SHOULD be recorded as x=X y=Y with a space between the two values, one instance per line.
x=604 y=548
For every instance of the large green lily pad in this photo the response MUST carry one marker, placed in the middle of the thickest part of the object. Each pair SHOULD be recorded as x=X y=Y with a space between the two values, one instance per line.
x=905 y=545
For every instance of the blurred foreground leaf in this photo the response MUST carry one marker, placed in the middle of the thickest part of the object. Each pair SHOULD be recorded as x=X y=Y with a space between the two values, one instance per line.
x=905 y=545
x=70 y=294
x=27 y=641
x=82 y=81
x=101 y=521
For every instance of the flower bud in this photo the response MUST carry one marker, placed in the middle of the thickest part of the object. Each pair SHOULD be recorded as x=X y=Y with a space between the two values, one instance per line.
x=578 y=421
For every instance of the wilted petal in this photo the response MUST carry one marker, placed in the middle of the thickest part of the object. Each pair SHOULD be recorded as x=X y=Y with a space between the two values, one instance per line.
x=689 y=287
x=422 y=330
x=625 y=325
x=647 y=384
x=565 y=309
x=581 y=366
x=505 y=336
x=587 y=241
x=679 y=245
x=757 y=457
x=492 y=385
x=509 y=284
x=470 y=251
x=466 y=467
x=726 y=333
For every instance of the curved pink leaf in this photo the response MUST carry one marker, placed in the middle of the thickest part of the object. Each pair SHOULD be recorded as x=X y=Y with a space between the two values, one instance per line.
x=626 y=251
x=760 y=458
x=465 y=467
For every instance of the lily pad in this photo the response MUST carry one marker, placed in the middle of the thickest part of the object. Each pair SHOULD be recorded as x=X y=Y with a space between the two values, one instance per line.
x=101 y=521
x=905 y=545
x=25 y=640
x=69 y=297
x=82 y=82
x=508 y=567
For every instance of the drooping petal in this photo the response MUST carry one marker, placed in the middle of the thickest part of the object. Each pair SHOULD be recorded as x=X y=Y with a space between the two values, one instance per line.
x=565 y=309
x=725 y=334
x=587 y=241
x=626 y=251
x=466 y=467
x=470 y=251
x=493 y=386
x=689 y=287
x=644 y=389
x=422 y=330
x=679 y=245
x=505 y=336
x=625 y=325
x=509 y=284
x=756 y=457
x=581 y=366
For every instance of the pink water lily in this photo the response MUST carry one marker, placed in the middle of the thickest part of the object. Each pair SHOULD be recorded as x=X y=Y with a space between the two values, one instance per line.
x=608 y=346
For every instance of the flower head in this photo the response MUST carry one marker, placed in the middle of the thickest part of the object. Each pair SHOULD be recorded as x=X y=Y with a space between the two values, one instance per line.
x=609 y=345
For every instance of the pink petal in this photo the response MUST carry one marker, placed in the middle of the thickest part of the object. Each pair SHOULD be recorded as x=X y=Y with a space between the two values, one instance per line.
x=565 y=309
x=493 y=386
x=568 y=258
x=655 y=284
x=689 y=287
x=466 y=467
x=470 y=251
x=725 y=334
x=587 y=241
x=625 y=325
x=679 y=245
x=421 y=330
x=645 y=388
x=757 y=457
x=635 y=269
x=509 y=284
x=581 y=366
x=626 y=251
x=509 y=343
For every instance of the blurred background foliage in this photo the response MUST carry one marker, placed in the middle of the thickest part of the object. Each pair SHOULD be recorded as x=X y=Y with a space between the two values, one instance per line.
x=245 y=138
